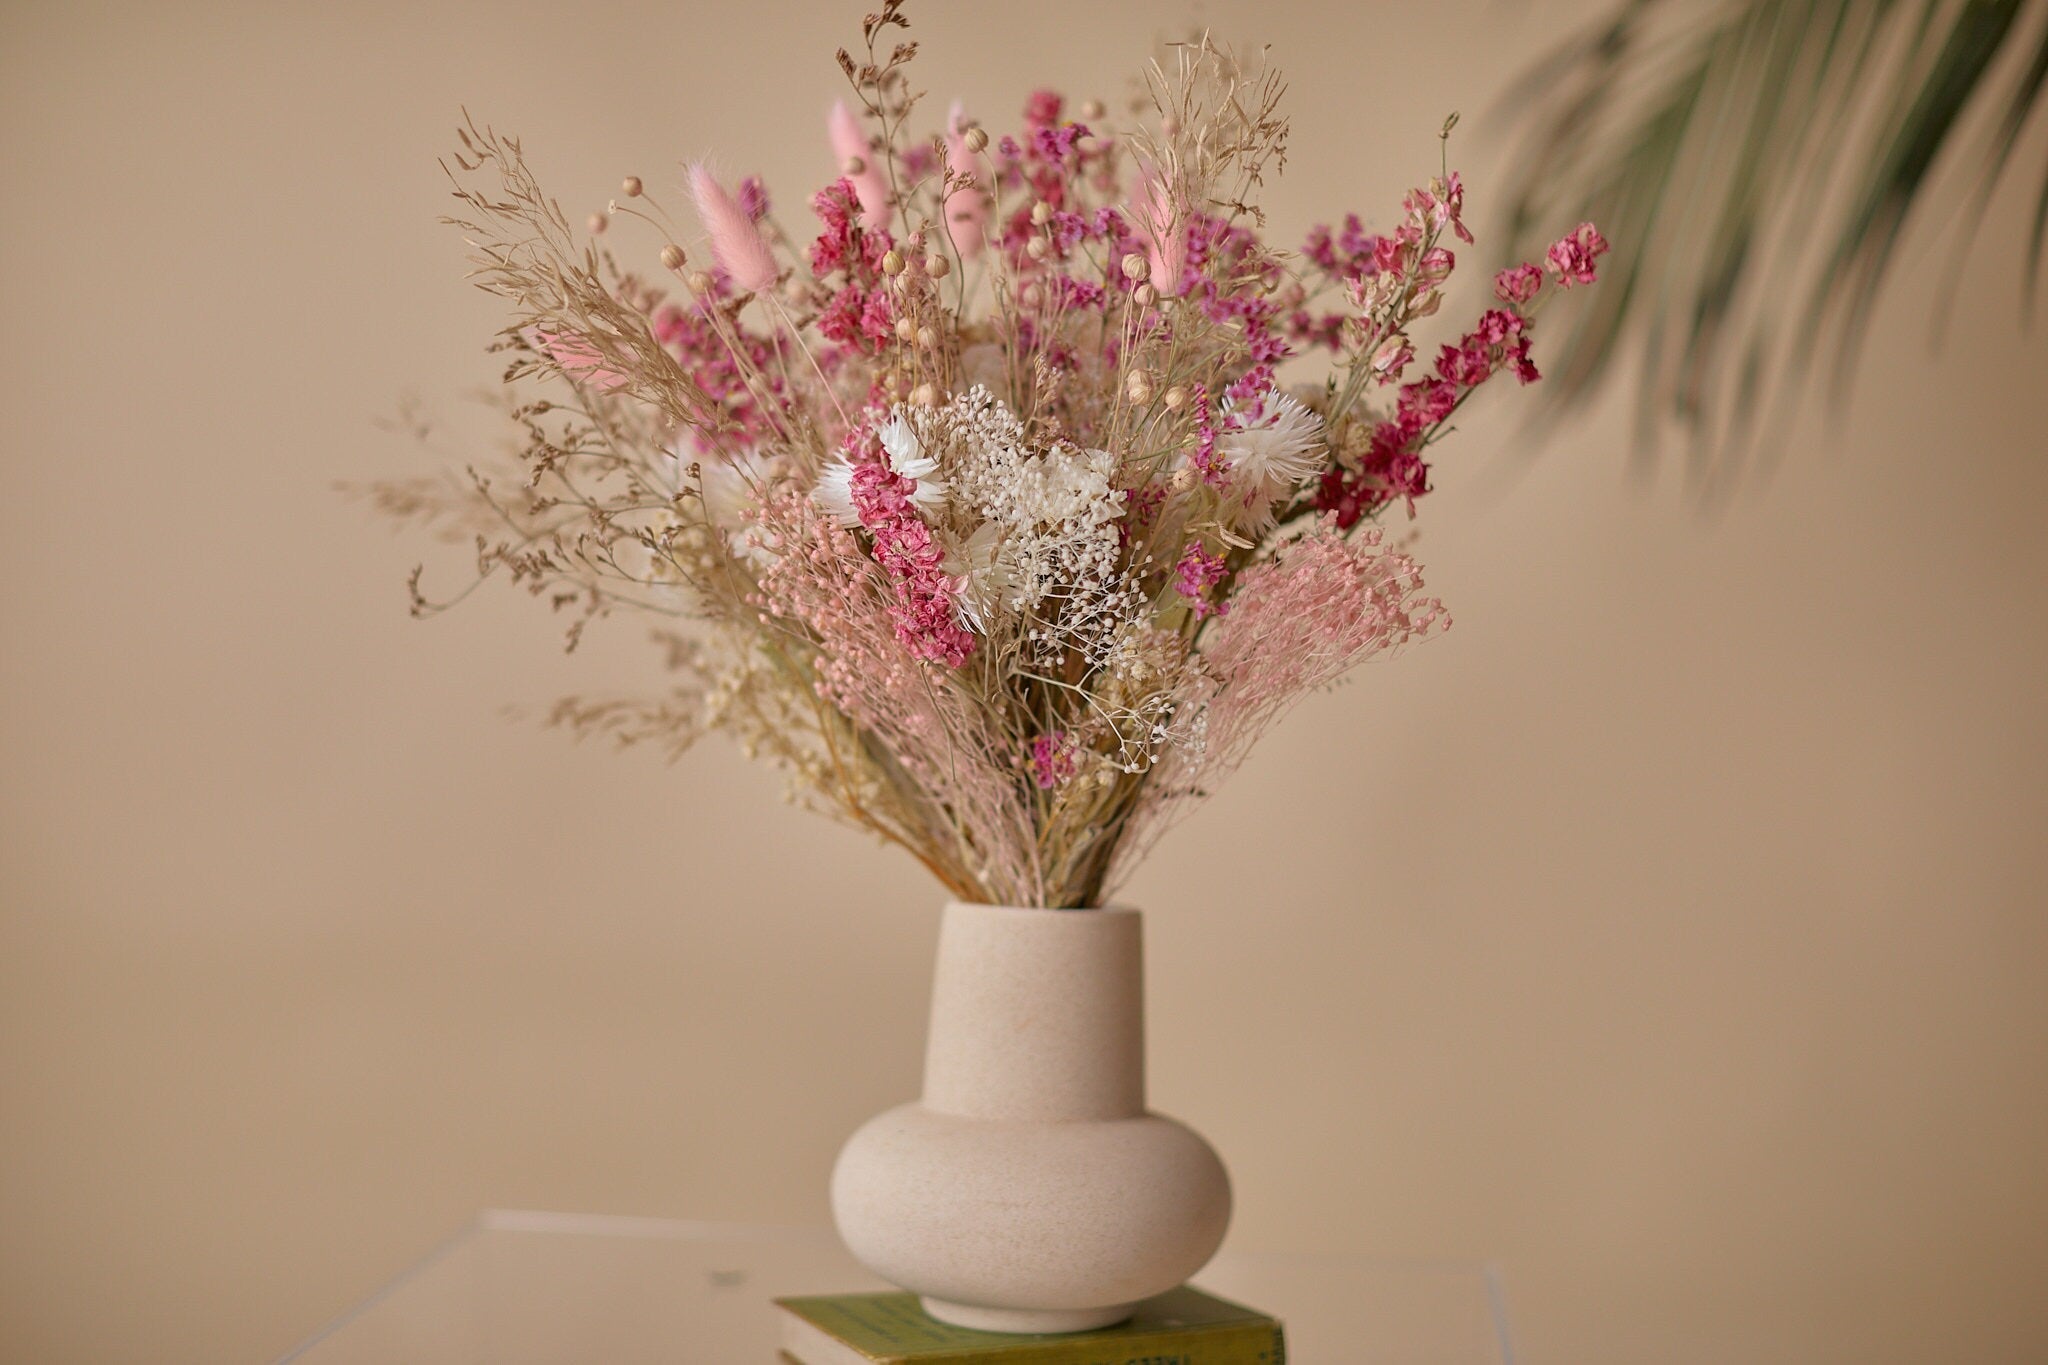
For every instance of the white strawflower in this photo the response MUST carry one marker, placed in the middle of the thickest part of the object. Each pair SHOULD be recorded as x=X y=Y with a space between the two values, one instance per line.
x=1066 y=486
x=834 y=493
x=983 y=576
x=908 y=460
x=1272 y=449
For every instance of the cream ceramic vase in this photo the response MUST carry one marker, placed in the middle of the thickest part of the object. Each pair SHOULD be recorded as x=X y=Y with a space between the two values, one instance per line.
x=1030 y=1190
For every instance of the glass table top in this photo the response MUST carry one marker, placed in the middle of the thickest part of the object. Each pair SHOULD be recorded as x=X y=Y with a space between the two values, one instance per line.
x=551 y=1288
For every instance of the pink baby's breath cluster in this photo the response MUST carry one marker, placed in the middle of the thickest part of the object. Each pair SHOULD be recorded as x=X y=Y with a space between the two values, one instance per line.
x=1008 y=493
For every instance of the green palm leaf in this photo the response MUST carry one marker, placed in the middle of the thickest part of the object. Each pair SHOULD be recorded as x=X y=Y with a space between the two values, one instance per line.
x=1755 y=164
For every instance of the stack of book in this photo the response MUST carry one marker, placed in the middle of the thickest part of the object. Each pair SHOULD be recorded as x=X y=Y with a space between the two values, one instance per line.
x=1181 y=1327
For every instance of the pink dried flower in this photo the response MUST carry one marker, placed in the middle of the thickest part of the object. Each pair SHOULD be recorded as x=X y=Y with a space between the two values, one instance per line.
x=865 y=670
x=1388 y=258
x=842 y=244
x=864 y=319
x=1214 y=472
x=1056 y=144
x=1052 y=759
x=1326 y=604
x=924 y=612
x=1466 y=365
x=1425 y=403
x=734 y=367
x=736 y=241
x=1517 y=284
x=1453 y=200
x=1196 y=576
x=1392 y=357
x=1571 y=258
x=754 y=198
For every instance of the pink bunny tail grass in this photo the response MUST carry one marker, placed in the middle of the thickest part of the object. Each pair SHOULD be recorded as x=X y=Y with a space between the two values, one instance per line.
x=966 y=207
x=574 y=357
x=736 y=243
x=849 y=144
x=1165 y=232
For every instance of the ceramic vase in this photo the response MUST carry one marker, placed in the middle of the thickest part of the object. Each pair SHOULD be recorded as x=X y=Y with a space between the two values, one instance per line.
x=1029 y=1189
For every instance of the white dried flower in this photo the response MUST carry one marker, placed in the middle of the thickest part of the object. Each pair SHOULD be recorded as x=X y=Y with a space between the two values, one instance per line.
x=834 y=493
x=907 y=459
x=983 y=576
x=1272 y=448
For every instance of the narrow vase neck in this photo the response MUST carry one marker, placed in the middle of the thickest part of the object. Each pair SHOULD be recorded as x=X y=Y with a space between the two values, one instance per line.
x=1037 y=1015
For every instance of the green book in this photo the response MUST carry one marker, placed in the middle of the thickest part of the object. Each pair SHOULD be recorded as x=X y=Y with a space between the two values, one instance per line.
x=1181 y=1327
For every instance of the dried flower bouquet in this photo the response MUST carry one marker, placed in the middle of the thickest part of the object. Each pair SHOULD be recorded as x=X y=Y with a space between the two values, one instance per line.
x=990 y=514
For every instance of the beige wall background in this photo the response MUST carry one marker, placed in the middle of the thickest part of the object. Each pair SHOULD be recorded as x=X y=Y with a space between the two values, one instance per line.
x=1671 y=932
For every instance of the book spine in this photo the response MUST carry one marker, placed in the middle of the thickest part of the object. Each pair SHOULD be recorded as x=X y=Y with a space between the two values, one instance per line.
x=1251 y=1344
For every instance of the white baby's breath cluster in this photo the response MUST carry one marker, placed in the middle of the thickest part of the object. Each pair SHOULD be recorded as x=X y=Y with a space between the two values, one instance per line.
x=1032 y=525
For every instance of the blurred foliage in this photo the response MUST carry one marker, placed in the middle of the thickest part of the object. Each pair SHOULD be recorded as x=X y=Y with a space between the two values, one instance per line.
x=1754 y=163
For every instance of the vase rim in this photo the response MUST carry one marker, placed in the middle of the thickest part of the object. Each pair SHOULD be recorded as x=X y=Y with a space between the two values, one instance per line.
x=1114 y=910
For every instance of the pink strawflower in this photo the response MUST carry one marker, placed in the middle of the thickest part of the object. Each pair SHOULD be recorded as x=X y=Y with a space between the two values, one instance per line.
x=736 y=241
x=1571 y=258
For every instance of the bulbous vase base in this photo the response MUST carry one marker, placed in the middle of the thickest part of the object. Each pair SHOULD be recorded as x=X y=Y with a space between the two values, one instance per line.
x=1039 y=1227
